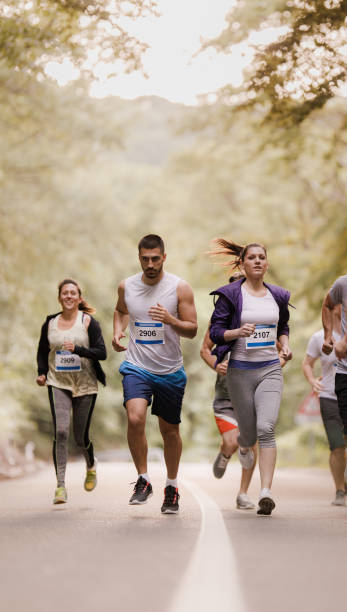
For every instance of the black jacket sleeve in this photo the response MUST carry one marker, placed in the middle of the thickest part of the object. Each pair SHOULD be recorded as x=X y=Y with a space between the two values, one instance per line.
x=43 y=350
x=97 y=349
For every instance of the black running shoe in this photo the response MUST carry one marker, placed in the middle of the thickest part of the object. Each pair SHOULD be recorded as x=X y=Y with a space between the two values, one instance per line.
x=142 y=491
x=171 y=497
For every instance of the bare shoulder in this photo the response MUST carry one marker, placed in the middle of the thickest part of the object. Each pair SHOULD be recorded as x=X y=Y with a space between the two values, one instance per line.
x=184 y=291
x=86 y=320
x=121 y=305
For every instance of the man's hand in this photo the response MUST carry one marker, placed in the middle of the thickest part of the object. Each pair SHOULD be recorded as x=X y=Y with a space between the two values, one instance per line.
x=41 y=380
x=317 y=385
x=117 y=346
x=328 y=345
x=159 y=313
x=222 y=368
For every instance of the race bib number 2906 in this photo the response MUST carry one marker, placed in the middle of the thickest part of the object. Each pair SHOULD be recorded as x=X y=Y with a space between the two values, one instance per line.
x=264 y=336
x=149 y=332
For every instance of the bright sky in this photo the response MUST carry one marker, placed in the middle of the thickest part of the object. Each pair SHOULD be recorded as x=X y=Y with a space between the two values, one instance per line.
x=174 y=38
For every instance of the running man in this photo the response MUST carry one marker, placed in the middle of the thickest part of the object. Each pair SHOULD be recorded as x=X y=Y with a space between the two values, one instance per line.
x=337 y=295
x=324 y=386
x=159 y=308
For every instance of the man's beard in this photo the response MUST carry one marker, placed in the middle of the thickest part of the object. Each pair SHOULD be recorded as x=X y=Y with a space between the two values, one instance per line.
x=152 y=273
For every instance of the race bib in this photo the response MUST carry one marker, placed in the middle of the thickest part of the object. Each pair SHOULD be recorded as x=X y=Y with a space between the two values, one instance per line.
x=264 y=336
x=67 y=362
x=149 y=332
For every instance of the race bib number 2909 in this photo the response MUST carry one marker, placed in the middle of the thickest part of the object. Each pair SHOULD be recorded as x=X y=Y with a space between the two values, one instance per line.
x=67 y=362
x=149 y=332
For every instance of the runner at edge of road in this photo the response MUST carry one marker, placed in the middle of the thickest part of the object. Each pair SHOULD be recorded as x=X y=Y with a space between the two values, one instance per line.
x=337 y=295
x=70 y=347
x=159 y=308
x=324 y=387
x=249 y=317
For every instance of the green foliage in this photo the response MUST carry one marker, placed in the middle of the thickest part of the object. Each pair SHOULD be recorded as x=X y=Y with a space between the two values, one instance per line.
x=301 y=70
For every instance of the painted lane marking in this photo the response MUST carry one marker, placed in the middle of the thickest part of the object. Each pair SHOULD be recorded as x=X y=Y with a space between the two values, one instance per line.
x=211 y=580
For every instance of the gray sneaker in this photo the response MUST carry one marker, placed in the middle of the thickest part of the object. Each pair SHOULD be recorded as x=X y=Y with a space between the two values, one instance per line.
x=220 y=465
x=243 y=502
x=246 y=459
x=340 y=498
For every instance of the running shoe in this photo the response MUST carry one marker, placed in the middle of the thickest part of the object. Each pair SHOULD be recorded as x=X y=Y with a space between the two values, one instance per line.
x=243 y=502
x=170 y=503
x=220 y=465
x=340 y=498
x=142 y=491
x=91 y=479
x=266 y=503
x=60 y=496
x=246 y=459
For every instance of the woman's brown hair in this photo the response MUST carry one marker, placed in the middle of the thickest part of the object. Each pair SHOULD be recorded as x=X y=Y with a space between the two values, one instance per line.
x=83 y=305
x=236 y=251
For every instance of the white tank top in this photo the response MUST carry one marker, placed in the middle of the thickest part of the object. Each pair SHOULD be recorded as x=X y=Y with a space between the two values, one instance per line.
x=263 y=311
x=79 y=383
x=152 y=346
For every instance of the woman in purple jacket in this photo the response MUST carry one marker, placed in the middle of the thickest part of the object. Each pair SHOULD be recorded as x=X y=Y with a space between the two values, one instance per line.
x=248 y=318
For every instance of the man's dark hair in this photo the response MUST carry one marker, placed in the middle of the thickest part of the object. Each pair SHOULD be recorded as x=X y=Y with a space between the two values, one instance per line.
x=152 y=241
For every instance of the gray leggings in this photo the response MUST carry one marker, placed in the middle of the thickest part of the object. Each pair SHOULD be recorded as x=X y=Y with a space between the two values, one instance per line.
x=256 y=397
x=82 y=407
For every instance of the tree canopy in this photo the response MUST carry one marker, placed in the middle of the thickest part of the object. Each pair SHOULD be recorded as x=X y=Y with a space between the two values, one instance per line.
x=301 y=70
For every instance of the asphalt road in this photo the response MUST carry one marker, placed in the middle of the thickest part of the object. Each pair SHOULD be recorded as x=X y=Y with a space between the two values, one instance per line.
x=98 y=553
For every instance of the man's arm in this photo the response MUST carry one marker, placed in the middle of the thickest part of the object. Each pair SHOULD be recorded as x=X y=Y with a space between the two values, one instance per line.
x=307 y=368
x=186 y=324
x=327 y=320
x=120 y=320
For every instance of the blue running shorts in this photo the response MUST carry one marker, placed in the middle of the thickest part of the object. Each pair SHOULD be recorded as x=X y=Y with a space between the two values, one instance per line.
x=166 y=390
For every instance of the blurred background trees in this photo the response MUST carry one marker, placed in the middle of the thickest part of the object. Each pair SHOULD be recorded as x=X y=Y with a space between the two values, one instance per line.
x=83 y=179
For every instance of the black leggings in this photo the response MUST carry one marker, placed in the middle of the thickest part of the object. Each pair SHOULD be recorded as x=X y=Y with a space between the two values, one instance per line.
x=82 y=407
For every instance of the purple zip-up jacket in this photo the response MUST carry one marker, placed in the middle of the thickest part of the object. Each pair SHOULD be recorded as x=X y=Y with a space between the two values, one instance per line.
x=227 y=314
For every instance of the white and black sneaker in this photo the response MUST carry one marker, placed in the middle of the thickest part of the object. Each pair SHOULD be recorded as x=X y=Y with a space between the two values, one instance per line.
x=220 y=465
x=170 y=503
x=142 y=491
x=266 y=503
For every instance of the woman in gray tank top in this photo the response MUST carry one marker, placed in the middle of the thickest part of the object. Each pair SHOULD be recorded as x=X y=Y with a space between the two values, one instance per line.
x=70 y=347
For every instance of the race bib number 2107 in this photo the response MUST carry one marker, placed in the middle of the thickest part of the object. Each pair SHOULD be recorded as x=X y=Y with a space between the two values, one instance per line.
x=264 y=336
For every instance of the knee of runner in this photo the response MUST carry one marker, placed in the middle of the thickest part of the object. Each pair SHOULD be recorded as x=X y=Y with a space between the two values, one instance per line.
x=266 y=434
x=136 y=422
x=62 y=435
x=170 y=433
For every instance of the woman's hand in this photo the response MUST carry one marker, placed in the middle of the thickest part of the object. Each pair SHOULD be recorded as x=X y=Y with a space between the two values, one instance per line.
x=68 y=346
x=246 y=330
x=41 y=380
x=286 y=353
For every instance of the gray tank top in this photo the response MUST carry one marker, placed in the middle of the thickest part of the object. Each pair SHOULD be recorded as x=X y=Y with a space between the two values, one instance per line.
x=152 y=346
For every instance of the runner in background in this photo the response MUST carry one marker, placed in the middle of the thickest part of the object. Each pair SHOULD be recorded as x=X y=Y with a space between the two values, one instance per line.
x=70 y=347
x=324 y=387
x=337 y=295
x=249 y=317
x=226 y=420
x=159 y=309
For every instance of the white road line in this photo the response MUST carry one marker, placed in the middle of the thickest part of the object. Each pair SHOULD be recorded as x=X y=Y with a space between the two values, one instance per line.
x=211 y=580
